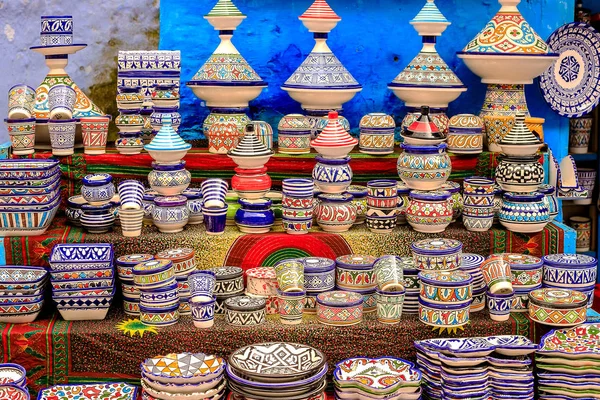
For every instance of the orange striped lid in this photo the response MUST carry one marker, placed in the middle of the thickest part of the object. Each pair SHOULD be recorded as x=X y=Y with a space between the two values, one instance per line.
x=320 y=10
x=334 y=134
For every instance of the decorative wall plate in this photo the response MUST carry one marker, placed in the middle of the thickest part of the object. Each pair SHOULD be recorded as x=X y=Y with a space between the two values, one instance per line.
x=105 y=391
x=582 y=341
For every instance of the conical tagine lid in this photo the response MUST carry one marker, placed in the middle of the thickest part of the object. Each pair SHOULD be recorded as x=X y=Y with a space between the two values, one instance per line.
x=424 y=128
x=320 y=17
x=225 y=8
x=167 y=139
x=250 y=145
x=427 y=69
x=520 y=133
x=226 y=66
x=334 y=134
x=430 y=13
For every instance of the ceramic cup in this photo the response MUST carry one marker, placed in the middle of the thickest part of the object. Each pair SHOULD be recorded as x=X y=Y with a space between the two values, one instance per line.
x=499 y=305
x=95 y=132
x=214 y=192
x=290 y=275
x=61 y=101
x=22 y=135
x=62 y=136
x=131 y=221
x=203 y=312
x=389 y=306
x=583 y=229
x=587 y=181
x=579 y=134
x=56 y=30
x=215 y=218
x=497 y=275
x=202 y=284
x=389 y=271
x=21 y=101
x=299 y=188
x=131 y=193
x=291 y=307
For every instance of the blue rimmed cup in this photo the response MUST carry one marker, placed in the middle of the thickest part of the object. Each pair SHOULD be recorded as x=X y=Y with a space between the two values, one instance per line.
x=215 y=218
x=56 y=30
x=21 y=101
x=131 y=193
x=384 y=188
x=499 y=305
x=62 y=136
x=203 y=312
x=202 y=284
x=97 y=219
x=214 y=192
x=61 y=101
x=297 y=187
x=291 y=306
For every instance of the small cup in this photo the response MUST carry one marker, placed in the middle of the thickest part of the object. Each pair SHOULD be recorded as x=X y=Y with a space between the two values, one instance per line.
x=389 y=306
x=95 y=133
x=61 y=101
x=291 y=307
x=499 y=305
x=497 y=275
x=62 y=136
x=21 y=102
x=56 y=30
x=131 y=193
x=203 y=312
x=297 y=187
x=131 y=221
x=389 y=271
x=202 y=284
x=22 y=135
x=478 y=185
x=583 y=229
x=215 y=219
x=214 y=192
x=290 y=275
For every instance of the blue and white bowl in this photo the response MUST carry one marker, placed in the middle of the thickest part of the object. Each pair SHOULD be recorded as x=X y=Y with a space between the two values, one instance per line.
x=499 y=305
x=254 y=216
x=97 y=219
x=170 y=214
x=194 y=204
x=163 y=296
x=169 y=179
x=570 y=270
x=98 y=189
x=79 y=256
x=319 y=274
x=332 y=175
x=524 y=212
x=131 y=193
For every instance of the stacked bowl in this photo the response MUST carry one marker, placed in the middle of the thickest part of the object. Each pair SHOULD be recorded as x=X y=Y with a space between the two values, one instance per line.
x=98 y=190
x=29 y=196
x=183 y=376
x=21 y=293
x=478 y=212
x=131 y=212
x=131 y=294
x=184 y=263
x=376 y=378
x=445 y=298
x=571 y=271
x=12 y=375
x=319 y=277
x=229 y=283
x=159 y=297
x=471 y=264
x=298 y=205
x=83 y=280
x=382 y=205
x=277 y=370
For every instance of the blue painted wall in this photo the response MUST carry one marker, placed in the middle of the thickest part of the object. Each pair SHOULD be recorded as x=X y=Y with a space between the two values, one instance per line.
x=374 y=40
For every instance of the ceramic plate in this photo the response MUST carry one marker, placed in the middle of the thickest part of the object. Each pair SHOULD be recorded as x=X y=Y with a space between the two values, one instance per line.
x=462 y=361
x=571 y=86
x=582 y=341
x=592 y=394
x=568 y=377
x=108 y=391
x=570 y=385
x=512 y=345
x=580 y=362
x=377 y=375
x=473 y=347
x=184 y=367
x=276 y=360
x=569 y=370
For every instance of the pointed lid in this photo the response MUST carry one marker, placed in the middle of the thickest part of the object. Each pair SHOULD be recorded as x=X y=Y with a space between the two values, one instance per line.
x=520 y=133
x=430 y=13
x=320 y=10
x=424 y=128
x=334 y=134
x=167 y=139
x=224 y=8
x=250 y=145
x=321 y=70
x=508 y=33
x=427 y=69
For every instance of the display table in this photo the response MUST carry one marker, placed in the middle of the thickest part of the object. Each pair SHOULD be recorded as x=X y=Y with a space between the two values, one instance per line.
x=55 y=351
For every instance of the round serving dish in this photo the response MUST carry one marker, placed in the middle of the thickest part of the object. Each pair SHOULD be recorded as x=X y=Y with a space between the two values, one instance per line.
x=558 y=307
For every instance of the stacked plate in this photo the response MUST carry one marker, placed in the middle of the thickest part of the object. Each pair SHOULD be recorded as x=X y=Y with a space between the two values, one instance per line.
x=471 y=263
x=83 y=281
x=376 y=378
x=29 y=196
x=191 y=376
x=412 y=286
x=277 y=370
x=568 y=363
x=21 y=293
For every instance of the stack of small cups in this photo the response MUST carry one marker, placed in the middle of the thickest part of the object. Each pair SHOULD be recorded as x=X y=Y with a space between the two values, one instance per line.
x=214 y=208
x=21 y=120
x=159 y=297
x=130 y=122
x=498 y=278
x=202 y=301
x=98 y=190
x=291 y=291
x=298 y=205
x=61 y=125
x=389 y=271
x=131 y=212
x=131 y=294
x=478 y=211
x=184 y=263
x=382 y=205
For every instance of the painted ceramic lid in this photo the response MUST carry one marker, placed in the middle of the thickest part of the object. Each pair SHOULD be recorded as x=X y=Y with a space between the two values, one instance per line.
x=134 y=259
x=317 y=264
x=97 y=179
x=149 y=195
x=176 y=255
x=521 y=261
x=170 y=201
x=446 y=278
x=382 y=374
x=427 y=69
x=437 y=246
x=224 y=8
x=152 y=267
x=223 y=273
x=451 y=187
x=166 y=138
x=462 y=122
x=520 y=133
x=532 y=197
x=377 y=121
x=178 y=166
x=430 y=195
x=408 y=265
x=320 y=10
x=245 y=303
x=471 y=261
x=357 y=191
x=226 y=67
x=430 y=13
x=558 y=298
x=570 y=260
x=250 y=146
x=356 y=261
x=192 y=194
x=335 y=198
x=508 y=33
x=262 y=273
x=339 y=298
x=424 y=128
x=184 y=365
x=334 y=135
x=294 y=122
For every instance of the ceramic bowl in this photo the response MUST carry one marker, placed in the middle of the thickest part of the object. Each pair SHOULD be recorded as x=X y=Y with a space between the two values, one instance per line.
x=446 y=287
x=355 y=272
x=208 y=368
x=444 y=315
x=97 y=189
x=245 y=311
x=319 y=274
x=340 y=308
x=81 y=256
x=570 y=270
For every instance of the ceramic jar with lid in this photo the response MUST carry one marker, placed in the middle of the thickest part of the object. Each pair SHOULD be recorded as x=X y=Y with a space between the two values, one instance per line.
x=446 y=287
x=167 y=146
x=570 y=270
x=359 y=200
x=429 y=212
x=520 y=141
x=222 y=137
x=251 y=183
x=293 y=134
x=194 y=205
x=170 y=214
x=254 y=216
x=340 y=308
x=332 y=175
x=335 y=212
x=456 y=198
x=377 y=134
x=334 y=141
x=230 y=280
x=319 y=274
x=466 y=134
x=424 y=167
x=158 y=115
x=437 y=254
x=558 y=307
x=526 y=270
x=245 y=311
x=524 y=212
x=423 y=131
x=169 y=179
x=261 y=281
x=182 y=258
x=97 y=189
x=354 y=272
x=520 y=174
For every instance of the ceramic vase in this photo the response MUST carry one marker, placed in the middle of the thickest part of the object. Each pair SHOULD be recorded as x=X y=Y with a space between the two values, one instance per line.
x=131 y=193
x=73 y=211
x=579 y=134
x=194 y=205
x=382 y=220
x=429 y=212
x=524 y=213
x=335 y=212
x=424 y=167
x=129 y=98
x=583 y=229
x=130 y=143
x=254 y=216
x=290 y=275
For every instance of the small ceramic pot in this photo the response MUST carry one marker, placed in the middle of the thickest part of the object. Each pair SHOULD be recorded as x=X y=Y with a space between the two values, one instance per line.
x=478 y=185
x=290 y=275
x=382 y=220
x=159 y=113
x=377 y=134
x=261 y=281
x=170 y=214
x=424 y=167
x=97 y=189
x=291 y=307
x=456 y=199
x=355 y=272
x=446 y=287
x=56 y=30
x=444 y=315
x=194 y=205
x=252 y=183
x=203 y=312
x=222 y=137
x=382 y=188
x=389 y=306
x=476 y=219
x=159 y=316
x=97 y=219
x=300 y=203
x=229 y=280
x=169 y=179
x=245 y=311
x=319 y=274
x=61 y=101
x=131 y=222
x=497 y=275
x=73 y=211
x=499 y=305
x=215 y=219
x=479 y=300
x=359 y=200
x=294 y=132
x=524 y=213
x=579 y=134
x=479 y=200
x=335 y=212
x=298 y=226
x=254 y=216
x=526 y=270
x=22 y=135
x=148 y=205
x=429 y=212
x=62 y=136
x=520 y=174
x=389 y=272
x=587 y=181
x=153 y=274
x=558 y=307
x=570 y=270
x=437 y=254
x=21 y=102
x=202 y=284
x=95 y=133
x=332 y=175
x=182 y=258
x=339 y=308
x=465 y=134
x=165 y=95
x=130 y=143
x=130 y=97
x=235 y=116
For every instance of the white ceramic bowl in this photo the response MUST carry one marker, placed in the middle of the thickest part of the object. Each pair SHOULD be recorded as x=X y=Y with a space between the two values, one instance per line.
x=83 y=314
x=500 y=68
x=334 y=152
x=320 y=99
x=168 y=156
x=520 y=149
x=250 y=162
x=226 y=96
x=433 y=97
